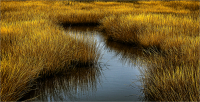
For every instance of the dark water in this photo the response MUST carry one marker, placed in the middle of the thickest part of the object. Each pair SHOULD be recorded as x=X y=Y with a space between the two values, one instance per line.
x=115 y=78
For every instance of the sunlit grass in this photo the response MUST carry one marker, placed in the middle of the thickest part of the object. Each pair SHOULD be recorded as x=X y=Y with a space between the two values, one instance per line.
x=173 y=43
x=40 y=48
x=176 y=38
x=33 y=44
x=172 y=77
x=136 y=28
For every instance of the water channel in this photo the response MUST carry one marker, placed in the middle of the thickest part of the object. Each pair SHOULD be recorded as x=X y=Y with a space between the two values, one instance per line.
x=115 y=78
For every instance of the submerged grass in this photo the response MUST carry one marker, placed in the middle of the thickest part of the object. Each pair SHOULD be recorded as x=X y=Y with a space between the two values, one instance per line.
x=33 y=44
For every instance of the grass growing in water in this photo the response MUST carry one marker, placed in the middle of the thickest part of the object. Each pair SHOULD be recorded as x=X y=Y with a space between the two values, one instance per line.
x=171 y=77
x=149 y=29
x=33 y=44
x=39 y=49
x=173 y=73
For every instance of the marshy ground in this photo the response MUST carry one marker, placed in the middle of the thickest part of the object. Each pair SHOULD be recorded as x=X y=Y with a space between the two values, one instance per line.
x=34 y=44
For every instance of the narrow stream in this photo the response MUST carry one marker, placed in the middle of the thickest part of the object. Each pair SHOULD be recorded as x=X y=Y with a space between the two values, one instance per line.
x=115 y=78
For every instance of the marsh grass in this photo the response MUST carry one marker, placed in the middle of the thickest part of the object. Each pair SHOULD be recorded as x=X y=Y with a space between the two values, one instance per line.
x=42 y=49
x=148 y=29
x=171 y=77
x=72 y=83
x=173 y=41
x=33 y=44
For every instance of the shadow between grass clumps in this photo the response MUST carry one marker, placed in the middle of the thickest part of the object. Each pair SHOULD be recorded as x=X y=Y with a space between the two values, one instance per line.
x=62 y=71
x=147 y=50
x=78 y=24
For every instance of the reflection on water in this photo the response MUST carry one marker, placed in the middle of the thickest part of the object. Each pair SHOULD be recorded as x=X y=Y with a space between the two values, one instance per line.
x=68 y=86
x=127 y=54
x=112 y=80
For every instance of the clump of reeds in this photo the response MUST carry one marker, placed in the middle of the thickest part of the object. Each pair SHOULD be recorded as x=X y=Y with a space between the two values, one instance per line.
x=147 y=31
x=172 y=77
x=33 y=45
x=72 y=83
x=35 y=48
x=173 y=72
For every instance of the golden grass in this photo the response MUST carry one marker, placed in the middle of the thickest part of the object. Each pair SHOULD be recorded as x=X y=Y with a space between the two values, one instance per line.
x=172 y=77
x=173 y=74
x=76 y=12
x=133 y=28
x=40 y=48
x=33 y=44
x=75 y=82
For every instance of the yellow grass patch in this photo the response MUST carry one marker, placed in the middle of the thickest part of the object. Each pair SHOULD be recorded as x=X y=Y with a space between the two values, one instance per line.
x=32 y=43
x=177 y=39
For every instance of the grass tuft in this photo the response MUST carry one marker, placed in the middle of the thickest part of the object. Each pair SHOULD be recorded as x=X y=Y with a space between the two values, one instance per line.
x=34 y=45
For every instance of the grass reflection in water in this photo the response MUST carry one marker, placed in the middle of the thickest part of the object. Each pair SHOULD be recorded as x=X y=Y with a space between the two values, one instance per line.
x=69 y=86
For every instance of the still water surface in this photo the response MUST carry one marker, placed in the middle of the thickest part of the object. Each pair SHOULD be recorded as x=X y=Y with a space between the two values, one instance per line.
x=115 y=78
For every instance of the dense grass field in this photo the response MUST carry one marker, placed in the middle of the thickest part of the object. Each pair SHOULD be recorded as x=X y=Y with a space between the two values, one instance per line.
x=34 y=45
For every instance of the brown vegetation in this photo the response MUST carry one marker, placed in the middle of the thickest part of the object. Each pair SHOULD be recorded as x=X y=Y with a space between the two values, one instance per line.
x=173 y=41
x=33 y=43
